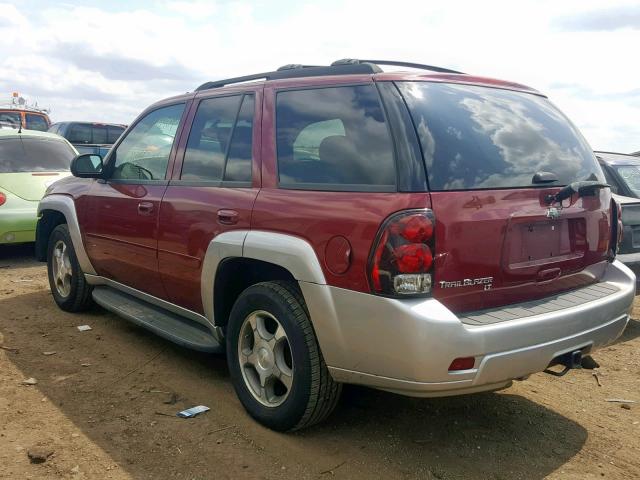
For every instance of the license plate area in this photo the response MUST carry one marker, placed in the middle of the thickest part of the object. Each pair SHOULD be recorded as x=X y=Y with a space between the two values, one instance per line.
x=532 y=244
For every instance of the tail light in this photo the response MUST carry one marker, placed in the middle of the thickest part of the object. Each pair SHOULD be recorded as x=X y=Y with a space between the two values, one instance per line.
x=3 y=199
x=401 y=261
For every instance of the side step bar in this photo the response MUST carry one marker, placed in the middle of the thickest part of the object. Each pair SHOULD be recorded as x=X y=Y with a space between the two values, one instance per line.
x=171 y=326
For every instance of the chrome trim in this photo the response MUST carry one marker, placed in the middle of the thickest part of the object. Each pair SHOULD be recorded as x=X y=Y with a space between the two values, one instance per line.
x=65 y=205
x=171 y=307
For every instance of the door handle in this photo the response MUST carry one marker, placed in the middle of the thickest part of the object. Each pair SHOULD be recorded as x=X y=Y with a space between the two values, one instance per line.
x=228 y=217
x=145 y=208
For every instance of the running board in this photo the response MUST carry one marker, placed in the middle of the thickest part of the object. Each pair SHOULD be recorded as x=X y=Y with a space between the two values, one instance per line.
x=169 y=325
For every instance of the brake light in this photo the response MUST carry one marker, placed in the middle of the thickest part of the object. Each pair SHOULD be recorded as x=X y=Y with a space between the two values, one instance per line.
x=3 y=199
x=401 y=261
x=462 y=363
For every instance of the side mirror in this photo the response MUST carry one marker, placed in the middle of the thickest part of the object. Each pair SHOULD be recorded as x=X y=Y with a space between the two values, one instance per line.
x=87 y=165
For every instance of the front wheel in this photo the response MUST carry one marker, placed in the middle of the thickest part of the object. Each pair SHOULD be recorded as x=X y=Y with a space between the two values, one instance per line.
x=70 y=290
x=275 y=362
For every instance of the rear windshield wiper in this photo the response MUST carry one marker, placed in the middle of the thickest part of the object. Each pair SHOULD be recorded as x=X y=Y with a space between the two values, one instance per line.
x=583 y=189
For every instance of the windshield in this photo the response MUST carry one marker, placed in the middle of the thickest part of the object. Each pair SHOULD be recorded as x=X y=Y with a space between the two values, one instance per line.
x=480 y=138
x=34 y=155
x=630 y=174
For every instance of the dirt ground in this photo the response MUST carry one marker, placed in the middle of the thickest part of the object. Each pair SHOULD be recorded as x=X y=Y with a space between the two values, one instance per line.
x=105 y=405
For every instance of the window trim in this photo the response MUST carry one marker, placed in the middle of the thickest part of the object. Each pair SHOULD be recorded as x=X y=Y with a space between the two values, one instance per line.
x=109 y=163
x=332 y=187
x=222 y=182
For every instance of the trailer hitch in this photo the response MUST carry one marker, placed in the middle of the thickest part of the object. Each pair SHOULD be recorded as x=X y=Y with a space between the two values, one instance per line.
x=570 y=361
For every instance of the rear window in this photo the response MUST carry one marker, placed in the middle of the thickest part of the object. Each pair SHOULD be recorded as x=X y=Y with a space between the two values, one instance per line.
x=334 y=138
x=36 y=122
x=87 y=133
x=79 y=133
x=481 y=138
x=34 y=155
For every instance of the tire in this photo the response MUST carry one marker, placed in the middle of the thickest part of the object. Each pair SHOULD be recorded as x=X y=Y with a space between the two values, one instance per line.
x=312 y=394
x=70 y=290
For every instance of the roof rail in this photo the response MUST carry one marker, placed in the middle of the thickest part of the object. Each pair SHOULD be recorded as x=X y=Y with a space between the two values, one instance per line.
x=296 y=71
x=433 y=68
x=346 y=66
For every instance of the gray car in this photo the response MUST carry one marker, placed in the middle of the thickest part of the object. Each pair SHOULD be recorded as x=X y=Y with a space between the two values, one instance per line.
x=623 y=174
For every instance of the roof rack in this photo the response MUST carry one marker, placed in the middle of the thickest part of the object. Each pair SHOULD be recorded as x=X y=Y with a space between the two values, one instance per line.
x=345 y=66
x=394 y=63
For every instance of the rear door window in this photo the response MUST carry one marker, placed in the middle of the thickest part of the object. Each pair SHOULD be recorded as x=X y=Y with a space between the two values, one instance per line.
x=481 y=138
x=36 y=122
x=220 y=141
x=334 y=138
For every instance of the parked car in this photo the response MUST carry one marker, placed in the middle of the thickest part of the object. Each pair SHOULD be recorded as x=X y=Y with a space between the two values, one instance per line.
x=25 y=118
x=29 y=162
x=623 y=174
x=427 y=234
x=89 y=137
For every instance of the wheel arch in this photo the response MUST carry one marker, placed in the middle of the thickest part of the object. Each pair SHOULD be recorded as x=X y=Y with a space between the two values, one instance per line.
x=238 y=259
x=55 y=207
x=47 y=221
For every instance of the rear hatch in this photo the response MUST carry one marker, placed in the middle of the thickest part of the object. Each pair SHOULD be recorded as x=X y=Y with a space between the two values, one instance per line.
x=498 y=240
x=29 y=186
x=29 y=164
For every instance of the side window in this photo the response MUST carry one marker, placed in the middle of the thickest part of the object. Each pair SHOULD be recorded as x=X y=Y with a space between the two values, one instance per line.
x=239 y=158
x=79 y=133
x=144 y=152
x=334 y=138
x=36 y=122
x=219 y=144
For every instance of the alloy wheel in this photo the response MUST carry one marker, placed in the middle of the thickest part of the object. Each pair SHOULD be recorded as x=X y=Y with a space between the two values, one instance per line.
x=62 y=271
x=264 y=354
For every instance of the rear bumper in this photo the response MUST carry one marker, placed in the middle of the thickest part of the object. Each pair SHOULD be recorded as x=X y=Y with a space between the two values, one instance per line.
x=18 y=225
x=406 y=346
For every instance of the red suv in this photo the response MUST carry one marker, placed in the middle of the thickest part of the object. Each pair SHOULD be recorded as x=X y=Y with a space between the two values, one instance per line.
x=428 y=234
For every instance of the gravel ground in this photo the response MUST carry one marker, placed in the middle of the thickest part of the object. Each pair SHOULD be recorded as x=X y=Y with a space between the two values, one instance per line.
x=104 y=407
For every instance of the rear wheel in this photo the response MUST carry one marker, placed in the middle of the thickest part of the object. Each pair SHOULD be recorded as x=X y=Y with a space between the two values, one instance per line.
x=275 y=362
x=69 y=288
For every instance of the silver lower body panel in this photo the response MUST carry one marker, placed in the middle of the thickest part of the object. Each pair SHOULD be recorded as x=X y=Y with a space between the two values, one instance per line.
x=406 y=346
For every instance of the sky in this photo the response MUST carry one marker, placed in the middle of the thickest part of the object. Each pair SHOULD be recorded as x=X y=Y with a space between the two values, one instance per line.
x=107 y=61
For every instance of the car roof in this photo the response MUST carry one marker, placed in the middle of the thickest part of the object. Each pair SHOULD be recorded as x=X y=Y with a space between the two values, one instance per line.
x=613 y=158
